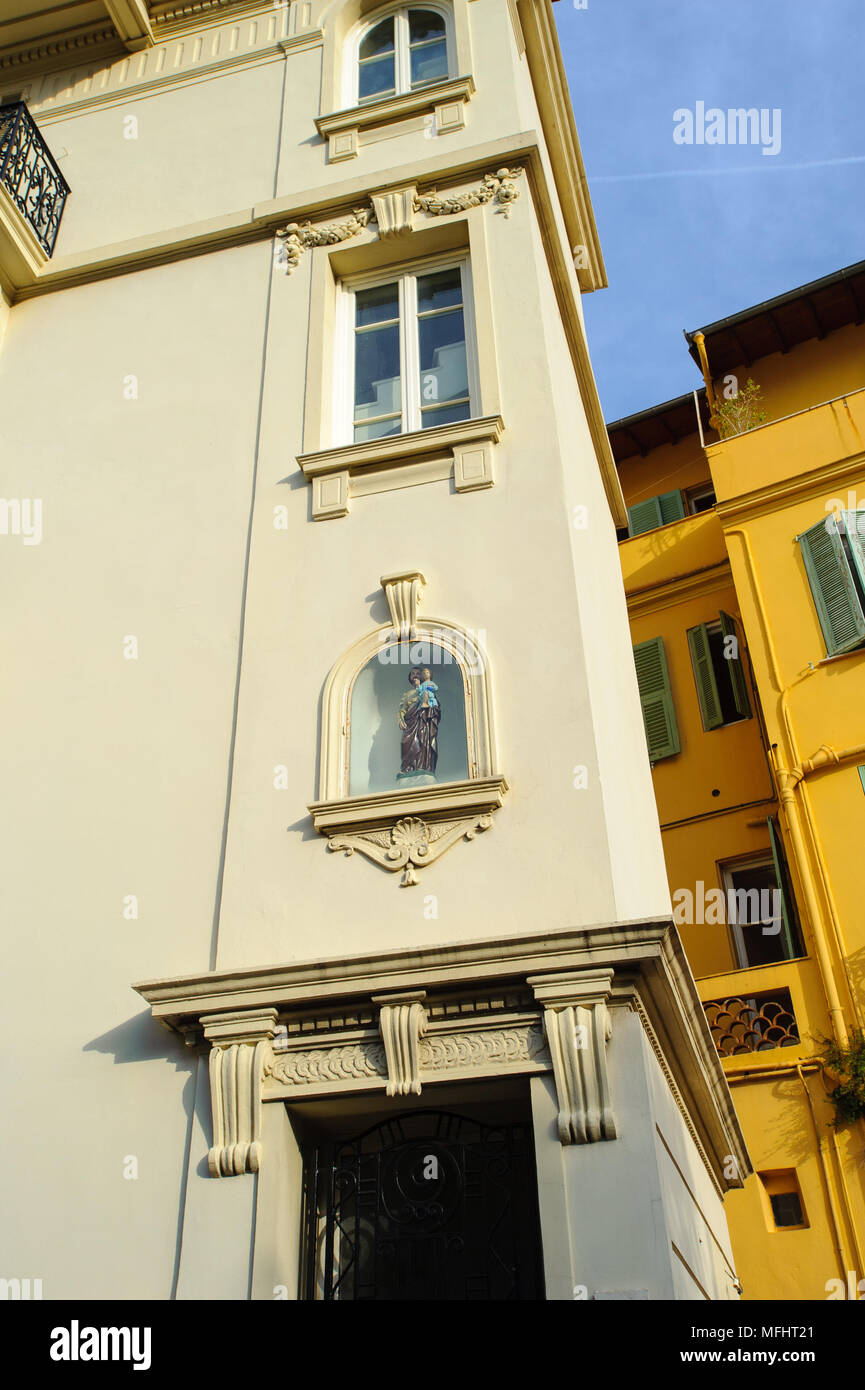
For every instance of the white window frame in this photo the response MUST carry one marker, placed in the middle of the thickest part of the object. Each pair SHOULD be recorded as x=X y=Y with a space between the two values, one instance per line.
x=406 y=274
x=402 y=66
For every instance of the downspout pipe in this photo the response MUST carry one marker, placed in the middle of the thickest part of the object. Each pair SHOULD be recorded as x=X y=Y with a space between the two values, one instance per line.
x=786 y=782
x=830 y=1196
x=700 y=344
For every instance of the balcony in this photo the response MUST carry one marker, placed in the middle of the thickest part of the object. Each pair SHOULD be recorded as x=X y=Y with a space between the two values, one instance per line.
x=752 y=1023
x=33 y=194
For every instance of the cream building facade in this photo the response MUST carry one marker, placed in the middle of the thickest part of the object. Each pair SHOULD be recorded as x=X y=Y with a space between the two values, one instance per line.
x=300 y=395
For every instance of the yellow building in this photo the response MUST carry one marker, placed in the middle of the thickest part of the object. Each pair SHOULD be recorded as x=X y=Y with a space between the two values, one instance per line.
x=744 y=567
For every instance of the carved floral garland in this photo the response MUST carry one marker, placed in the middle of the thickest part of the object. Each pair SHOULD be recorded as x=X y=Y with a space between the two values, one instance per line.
x=498 y=188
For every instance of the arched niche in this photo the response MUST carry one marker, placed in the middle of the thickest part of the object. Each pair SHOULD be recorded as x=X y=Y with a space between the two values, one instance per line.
x=422 y=682
x=365 y=781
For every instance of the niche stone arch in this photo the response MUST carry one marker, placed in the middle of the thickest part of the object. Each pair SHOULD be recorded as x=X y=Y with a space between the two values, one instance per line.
x=411 y=820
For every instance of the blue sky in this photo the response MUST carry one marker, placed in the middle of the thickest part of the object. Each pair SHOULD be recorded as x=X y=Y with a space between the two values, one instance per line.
x=692 y=233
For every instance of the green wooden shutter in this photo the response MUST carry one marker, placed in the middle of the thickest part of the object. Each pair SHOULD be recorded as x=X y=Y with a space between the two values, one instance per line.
x=737 y=671
x=655 y=511
x=656 y=698
x=780 y=861
x=644 y=516
x=704 y=676
x=854 y=530
x=672 y=506
x=831 y=579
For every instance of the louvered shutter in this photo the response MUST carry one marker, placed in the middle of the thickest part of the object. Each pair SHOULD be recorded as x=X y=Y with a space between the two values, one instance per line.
x=782 y=874
x=644 y=516
x=830 y=576
x=854 y=529
x=655 y=511
x=656 y=698
x=737 y=671
x=672 y=506
x=704 y=676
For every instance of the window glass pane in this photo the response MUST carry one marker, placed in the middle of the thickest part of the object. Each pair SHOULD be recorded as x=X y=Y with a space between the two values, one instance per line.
x=443 y=365
x=439 y=291
x=376 y=372
x=445 y=415
x=425 y=24
x=377 y=429
x=379 y=40
x=429 y=63
x=377 y=305
x=787 y=1209
x=375 y=78
x=754 y=904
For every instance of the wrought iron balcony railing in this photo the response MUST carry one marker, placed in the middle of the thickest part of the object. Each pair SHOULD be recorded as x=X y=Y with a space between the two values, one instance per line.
x=754 y=1023
x=30 y=175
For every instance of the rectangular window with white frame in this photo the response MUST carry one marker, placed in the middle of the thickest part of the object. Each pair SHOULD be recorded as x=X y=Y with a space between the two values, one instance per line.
x=407 y=343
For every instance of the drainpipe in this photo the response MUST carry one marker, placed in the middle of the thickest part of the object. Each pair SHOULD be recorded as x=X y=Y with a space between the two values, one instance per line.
x=700 y=343
x=787 y=782
x=821 y=1154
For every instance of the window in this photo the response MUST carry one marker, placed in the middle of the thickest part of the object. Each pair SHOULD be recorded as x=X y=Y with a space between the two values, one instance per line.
x=720 y=679
x=759 y=894
x=406 y=50
x=786 y=1209
x=700 y=499
x=655 y=511
x=411 y=364
x=834 y=555
x=656 y=698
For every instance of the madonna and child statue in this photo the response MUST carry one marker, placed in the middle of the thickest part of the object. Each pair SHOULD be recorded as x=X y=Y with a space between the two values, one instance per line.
x=418 y=719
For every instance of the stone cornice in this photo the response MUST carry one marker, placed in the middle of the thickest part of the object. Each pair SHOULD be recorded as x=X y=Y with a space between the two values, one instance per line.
x=649 y=969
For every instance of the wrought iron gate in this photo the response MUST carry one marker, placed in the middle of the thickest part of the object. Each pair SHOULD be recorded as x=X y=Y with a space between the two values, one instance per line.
x=427 y=1206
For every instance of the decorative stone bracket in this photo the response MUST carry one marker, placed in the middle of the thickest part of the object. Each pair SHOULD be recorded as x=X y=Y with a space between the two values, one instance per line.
x=577 y=1025
x=393 y=210
x=240 y=1049
x=403 y=593
x=402 y=1023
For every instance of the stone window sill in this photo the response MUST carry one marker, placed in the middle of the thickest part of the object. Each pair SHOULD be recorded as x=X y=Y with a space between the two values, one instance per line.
x=479 y=796
x=463 y=451
x=446 y=100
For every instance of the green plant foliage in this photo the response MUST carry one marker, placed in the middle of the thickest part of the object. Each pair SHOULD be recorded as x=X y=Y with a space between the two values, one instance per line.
x=847 y=1065
x=741 y=412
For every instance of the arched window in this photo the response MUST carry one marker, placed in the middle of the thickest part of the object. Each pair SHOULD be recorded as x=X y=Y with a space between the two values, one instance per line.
x=404 y=51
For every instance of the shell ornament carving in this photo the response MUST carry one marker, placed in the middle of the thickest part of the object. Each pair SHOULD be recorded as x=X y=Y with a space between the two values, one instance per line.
x=410 y=844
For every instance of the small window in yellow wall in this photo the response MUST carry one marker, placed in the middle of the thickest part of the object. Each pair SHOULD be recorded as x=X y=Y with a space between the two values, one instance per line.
x=785 y=1210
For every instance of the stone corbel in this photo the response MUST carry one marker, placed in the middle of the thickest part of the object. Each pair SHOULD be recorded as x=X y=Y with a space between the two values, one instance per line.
x=403 y=593
x=402 y=1023
x=240 y=1047
x=577 y=1025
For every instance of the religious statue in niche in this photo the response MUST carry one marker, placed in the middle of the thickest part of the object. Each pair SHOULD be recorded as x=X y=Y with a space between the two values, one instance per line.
x=418 y=719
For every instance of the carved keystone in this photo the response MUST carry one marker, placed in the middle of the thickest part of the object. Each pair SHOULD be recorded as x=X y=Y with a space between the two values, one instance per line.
x=403 y=593
x=394 y=211
x=240 y=1046
x=577 y=1025
x=402 y=1023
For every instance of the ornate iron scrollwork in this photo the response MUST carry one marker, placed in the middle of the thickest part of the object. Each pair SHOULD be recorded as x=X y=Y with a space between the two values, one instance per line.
x=30 y=175
x=426 y=1206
